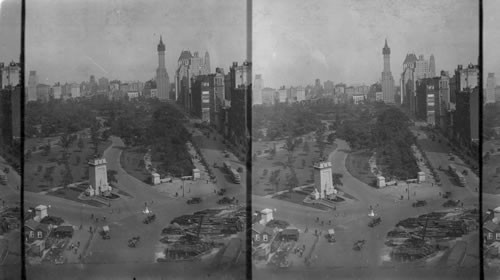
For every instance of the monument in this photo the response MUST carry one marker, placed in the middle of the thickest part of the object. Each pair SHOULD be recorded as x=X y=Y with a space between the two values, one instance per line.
x=323 y=180
x=98 y=178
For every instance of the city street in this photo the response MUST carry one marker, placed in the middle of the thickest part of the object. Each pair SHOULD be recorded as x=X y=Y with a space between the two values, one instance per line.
x=10 y=197
x=125 y=216
x=350 y=220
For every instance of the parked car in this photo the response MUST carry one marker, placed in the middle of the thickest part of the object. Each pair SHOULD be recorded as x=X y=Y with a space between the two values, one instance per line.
x=132 y=242
x=194 y=200
x=221 y=192
x=225 y=200
x=105 y=232
x=374 y=222
x=451 y=203
x=419 y=203
x=149 y=219
x=330 y=236
x=447 y=195
x=358 y=245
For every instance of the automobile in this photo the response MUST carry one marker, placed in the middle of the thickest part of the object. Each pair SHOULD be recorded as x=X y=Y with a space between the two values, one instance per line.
x=451 y=203
x=60 y=260
x=149 y=219
x=419 y=203
x=330 y=236
x=132 y=242
x=105 y=233
x=375 y=221
x=194 y=200
x=358 y=245
x=225 y=200
x=221 y=192
x=447 y=195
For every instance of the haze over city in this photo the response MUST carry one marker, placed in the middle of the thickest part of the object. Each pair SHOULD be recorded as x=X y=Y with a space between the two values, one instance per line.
x=491 y=37
x=343 y=40
x=10 y=30
x=71 y=41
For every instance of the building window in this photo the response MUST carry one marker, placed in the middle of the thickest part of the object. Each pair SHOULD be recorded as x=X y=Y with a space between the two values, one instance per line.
x=490 y=236
x=497 y=236
x=257 y=237
x=39 y=234
x=32 y=234
x=265 y=238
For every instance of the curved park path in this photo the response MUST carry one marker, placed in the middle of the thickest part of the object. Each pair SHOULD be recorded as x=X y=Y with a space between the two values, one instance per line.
x=124 y=218
x=350 y=220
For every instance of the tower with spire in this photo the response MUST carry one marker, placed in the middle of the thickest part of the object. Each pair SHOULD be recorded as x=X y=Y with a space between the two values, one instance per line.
x=162 y=80
x=387 y=79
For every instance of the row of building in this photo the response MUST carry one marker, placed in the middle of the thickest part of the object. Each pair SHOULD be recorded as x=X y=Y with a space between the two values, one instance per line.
x=448 y=102
x=10 y=102
x=340 y=93
x=217 y=98
x=103 y=86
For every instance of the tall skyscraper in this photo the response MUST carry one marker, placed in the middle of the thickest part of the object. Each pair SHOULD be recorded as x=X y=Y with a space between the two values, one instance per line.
x=490 y=88
x=432 y=67
x=32 y=83
x=162 y=81
x=387 y=79
x=257 y=90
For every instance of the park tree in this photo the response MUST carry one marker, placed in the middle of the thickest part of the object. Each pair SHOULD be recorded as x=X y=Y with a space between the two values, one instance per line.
x=112 y=176
x=67 y=176
x=80 y=144
x=65 y=140
x=94 y=135
x=319 y=137
x=292 y=180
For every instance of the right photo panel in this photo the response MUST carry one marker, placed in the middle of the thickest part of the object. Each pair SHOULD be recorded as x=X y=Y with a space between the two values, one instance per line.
x=366 y=140
x=491 y=141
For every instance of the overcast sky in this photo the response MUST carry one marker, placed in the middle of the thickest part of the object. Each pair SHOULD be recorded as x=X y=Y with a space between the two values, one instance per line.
x=70 y=40
x=10 y=30
x=296 y=41
x=491 y=38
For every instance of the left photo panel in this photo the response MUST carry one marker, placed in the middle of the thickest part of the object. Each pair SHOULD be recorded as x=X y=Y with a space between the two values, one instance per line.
x=10 y=143
x=135 y=140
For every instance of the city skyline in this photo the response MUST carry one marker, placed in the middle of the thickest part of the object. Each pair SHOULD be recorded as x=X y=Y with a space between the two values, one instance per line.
x=342 y=41
x=10 y=30
x=128 y=33
x=491 y=38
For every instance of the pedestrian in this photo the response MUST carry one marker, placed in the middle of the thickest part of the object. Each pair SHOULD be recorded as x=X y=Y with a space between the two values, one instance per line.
x=176 y=194
x=145 y=204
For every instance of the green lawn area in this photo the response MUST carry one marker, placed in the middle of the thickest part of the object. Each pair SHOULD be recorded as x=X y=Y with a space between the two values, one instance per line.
x=297 y=197
x=132 y=162
x=260 y=177
x=357 y=164
x=44 y=171
x=72 y=194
